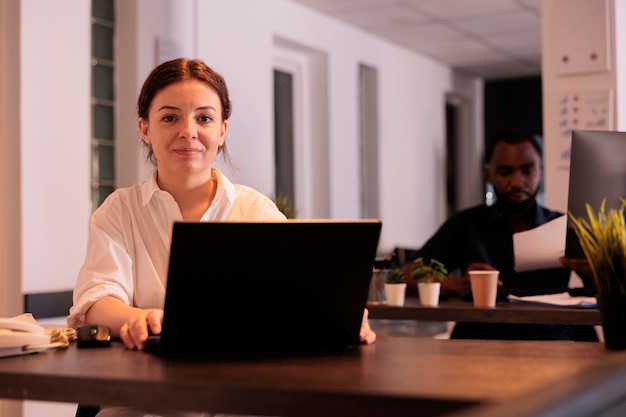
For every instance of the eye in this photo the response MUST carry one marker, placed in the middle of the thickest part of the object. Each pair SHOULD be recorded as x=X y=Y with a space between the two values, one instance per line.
x=168 y=118
x=205 y=118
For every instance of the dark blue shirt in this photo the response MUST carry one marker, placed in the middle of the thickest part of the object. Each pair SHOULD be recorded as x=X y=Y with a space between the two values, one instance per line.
x=482 y=234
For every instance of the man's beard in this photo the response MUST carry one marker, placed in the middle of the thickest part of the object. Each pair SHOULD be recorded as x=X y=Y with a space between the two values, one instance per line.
x=510 y=206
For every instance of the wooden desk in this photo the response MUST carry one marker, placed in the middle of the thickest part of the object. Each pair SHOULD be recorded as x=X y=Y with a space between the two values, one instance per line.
x=597 y=391
x=396 y=376
x=464 y=311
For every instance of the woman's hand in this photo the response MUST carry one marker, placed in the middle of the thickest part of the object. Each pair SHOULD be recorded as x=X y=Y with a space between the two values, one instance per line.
x=135 y=331
x=366 y=335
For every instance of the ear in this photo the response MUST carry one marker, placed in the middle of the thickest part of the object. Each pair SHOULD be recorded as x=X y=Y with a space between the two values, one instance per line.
x=223 y=134
x=142 y=126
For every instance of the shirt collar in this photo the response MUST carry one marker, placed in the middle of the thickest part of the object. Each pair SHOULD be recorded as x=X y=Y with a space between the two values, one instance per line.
x=225 y=192
x=149 y=187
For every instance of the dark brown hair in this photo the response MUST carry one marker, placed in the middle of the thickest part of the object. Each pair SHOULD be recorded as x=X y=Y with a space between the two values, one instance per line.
x=176 y=70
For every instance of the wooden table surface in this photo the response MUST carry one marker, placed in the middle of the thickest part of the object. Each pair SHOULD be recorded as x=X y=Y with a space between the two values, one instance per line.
x=457 y=310
x=396 y=376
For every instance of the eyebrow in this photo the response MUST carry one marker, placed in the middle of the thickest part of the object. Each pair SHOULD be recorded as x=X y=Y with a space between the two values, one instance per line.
x=523 y=166
x=166 y=107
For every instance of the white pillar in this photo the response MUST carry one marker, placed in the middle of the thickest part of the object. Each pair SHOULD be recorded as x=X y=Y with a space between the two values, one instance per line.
x=592 y=31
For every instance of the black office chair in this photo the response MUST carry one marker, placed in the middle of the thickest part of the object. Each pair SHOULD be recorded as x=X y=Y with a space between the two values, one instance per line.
x=87 y=410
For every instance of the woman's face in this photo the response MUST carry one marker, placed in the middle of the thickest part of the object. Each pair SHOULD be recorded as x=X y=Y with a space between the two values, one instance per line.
x=184 y=128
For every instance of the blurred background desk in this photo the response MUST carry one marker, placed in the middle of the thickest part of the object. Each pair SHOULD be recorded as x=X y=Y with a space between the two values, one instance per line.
x=455 y=310
x=396 y=376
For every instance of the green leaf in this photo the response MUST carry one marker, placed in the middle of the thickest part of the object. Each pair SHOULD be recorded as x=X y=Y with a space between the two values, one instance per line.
x=428 y=272
x=603 y=239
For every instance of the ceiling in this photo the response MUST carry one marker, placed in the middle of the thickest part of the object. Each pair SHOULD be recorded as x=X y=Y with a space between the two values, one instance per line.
x=490 y=39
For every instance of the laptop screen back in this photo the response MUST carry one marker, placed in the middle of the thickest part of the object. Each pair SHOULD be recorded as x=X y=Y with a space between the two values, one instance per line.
x=257 y=287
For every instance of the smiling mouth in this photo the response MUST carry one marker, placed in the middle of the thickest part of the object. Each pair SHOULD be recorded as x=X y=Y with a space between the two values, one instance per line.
x=186 y=151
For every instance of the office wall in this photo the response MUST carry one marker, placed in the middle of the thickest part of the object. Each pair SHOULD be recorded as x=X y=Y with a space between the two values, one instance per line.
x=619 y=19
x=55 y=131
x=557 y=84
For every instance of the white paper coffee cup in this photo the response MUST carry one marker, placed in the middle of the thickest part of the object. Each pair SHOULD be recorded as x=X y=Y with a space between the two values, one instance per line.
x=484 y=287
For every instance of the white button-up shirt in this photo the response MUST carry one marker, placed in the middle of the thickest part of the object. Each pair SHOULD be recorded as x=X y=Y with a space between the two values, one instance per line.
x=129 y=241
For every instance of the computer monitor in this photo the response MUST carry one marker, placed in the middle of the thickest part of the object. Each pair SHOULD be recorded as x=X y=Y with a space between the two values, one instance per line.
x=597 y=172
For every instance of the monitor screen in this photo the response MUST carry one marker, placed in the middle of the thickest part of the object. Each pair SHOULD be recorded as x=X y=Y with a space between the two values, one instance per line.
x=597 y=172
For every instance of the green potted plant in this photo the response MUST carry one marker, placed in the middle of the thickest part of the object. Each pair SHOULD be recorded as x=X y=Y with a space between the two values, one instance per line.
x=395 y=286
x=430 y=272
x=285 y=205
x=603 y=239
x=428 y=276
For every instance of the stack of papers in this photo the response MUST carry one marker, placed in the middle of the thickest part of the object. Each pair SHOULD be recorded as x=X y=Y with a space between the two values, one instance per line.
x=558 y=300
x=21 y=334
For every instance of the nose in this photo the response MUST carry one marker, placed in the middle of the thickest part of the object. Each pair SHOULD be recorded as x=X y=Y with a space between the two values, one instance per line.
x=188 y=129
x=517 y=178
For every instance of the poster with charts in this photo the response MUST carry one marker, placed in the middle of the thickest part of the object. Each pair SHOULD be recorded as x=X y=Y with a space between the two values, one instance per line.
x=585 y=110
x=582 y=33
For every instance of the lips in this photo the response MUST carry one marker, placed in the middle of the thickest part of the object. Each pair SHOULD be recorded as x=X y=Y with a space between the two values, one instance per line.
x=187 y=151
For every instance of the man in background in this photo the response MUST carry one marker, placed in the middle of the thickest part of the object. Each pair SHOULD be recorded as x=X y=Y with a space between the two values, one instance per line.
x=481 y=237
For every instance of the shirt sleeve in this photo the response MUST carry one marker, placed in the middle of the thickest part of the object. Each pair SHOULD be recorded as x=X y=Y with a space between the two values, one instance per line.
x=107 y=270
x=445 y=245
x=477 y=234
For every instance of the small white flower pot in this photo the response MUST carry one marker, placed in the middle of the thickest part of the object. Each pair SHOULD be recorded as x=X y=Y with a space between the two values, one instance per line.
x=429 y=293
x=395 y=294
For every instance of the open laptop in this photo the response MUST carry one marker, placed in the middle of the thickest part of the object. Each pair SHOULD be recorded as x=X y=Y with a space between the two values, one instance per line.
x=250 y=288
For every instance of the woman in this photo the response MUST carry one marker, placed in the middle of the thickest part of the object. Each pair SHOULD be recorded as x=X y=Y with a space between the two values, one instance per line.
x=183 y=110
